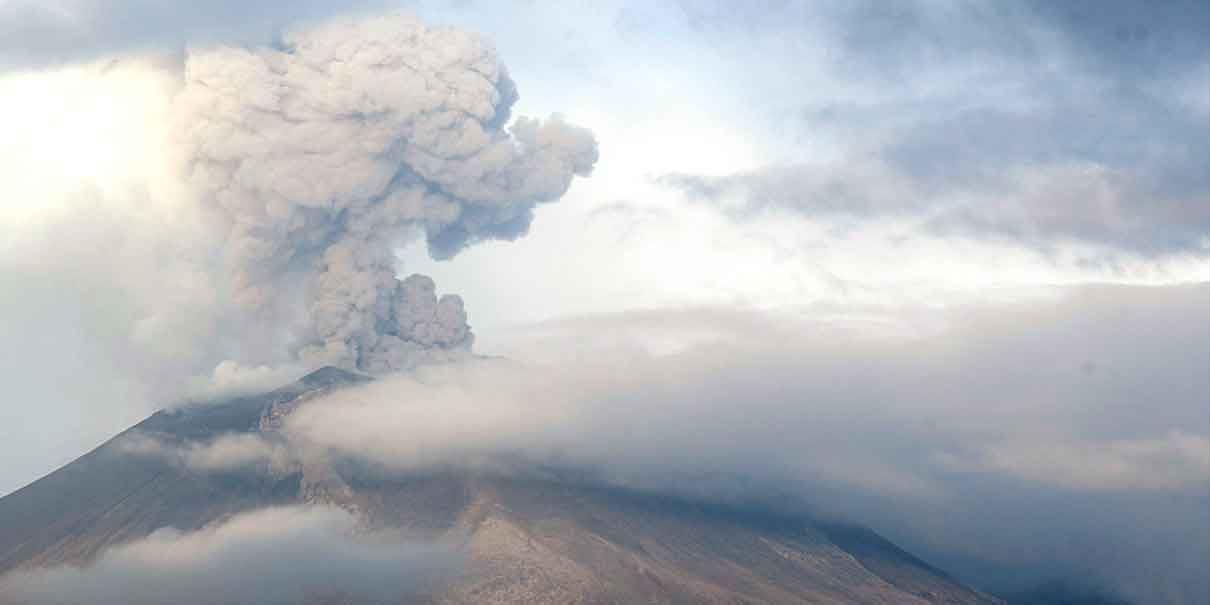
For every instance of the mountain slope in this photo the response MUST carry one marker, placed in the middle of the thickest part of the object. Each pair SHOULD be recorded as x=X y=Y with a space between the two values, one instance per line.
x=528 y=540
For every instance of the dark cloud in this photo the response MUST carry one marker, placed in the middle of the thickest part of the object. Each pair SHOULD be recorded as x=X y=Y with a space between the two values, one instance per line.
x=945 y=186
x=1042 y=123
x=834 y=191
x=898 y=41
x=271 y=556
x=1153 y=143
x=1131 y=38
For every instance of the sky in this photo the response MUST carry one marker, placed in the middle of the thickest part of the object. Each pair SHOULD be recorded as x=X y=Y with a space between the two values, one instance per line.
x=942 y=266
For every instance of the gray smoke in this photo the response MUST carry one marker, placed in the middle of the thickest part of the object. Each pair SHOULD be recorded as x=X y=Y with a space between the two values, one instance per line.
x=323 y=153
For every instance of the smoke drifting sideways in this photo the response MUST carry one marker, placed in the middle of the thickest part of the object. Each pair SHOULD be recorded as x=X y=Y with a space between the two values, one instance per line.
x=323 y=152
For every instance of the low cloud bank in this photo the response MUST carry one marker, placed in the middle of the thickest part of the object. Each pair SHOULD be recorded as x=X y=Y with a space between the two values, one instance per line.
x=282 y=555
x=999 y=389
x=992 y=437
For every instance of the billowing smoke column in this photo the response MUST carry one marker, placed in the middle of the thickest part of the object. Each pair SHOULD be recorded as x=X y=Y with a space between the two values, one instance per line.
x=323 y=152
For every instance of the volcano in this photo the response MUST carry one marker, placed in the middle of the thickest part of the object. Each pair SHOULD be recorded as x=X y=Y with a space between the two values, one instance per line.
x=527 y=539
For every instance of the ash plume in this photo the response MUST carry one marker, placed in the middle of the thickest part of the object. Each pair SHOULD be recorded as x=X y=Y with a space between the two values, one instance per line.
x=324 y=152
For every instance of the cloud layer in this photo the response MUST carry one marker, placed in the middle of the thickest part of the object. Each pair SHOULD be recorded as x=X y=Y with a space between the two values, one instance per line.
x=38 y=34
x=1046 y=126
x=1013 y=410
x=1007 y=442
x=271 y=556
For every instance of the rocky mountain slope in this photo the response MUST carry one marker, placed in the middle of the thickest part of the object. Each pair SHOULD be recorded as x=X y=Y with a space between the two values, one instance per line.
x=527 y=540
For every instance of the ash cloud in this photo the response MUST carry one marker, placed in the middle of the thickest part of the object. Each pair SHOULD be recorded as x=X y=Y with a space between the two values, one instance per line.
x=278 y=555
x=322 y=153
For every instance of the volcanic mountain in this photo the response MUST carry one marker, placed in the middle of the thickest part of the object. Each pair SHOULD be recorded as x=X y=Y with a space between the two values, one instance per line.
x=526 y=539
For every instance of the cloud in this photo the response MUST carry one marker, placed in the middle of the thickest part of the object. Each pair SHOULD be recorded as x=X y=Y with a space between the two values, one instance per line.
x=279 y=555
x=1171 y=462
x=988 y=435
x=232 y=453
x=844 y=190
x=39 y=34
x=244 y=227
x=1041 y=125
x=1043 y=206
x=1032 y=437
x=1129 y=37
x=736 y=385
x=229 y=379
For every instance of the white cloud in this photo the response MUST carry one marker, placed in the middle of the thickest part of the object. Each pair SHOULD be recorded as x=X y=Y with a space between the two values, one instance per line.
x=281 y=555
x=980 y=434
